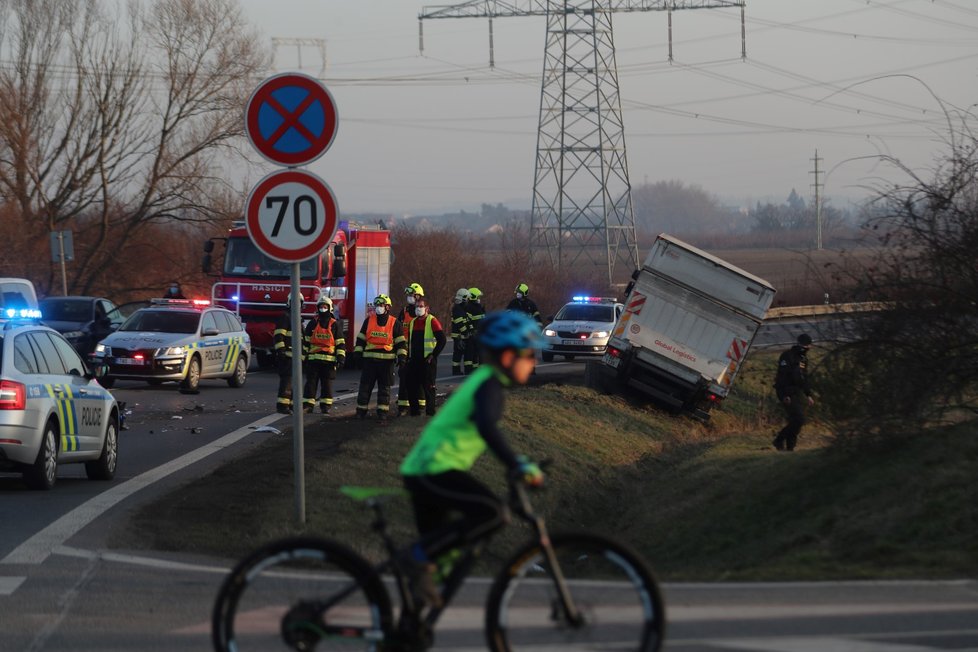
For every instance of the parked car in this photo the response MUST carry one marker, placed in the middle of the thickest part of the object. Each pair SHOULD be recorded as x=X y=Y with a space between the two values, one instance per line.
x=52 y=409
x=178 y=340
x=581 y=328
x=84 y=321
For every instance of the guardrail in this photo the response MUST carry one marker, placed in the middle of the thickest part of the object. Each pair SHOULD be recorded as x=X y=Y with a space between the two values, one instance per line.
x=790 y=312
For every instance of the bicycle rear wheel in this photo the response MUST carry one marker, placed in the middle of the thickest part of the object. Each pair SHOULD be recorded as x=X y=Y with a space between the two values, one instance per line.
x=301 y=594
x=610 y=585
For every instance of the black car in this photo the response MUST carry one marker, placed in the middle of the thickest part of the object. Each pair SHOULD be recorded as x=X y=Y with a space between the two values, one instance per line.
x=84 y=321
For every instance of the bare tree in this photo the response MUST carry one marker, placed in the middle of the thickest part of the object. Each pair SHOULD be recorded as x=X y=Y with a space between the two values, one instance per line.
x=110 y=125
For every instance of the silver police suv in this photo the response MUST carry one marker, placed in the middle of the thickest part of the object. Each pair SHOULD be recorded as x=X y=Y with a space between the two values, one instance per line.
x=177 y=340
x=52 y=409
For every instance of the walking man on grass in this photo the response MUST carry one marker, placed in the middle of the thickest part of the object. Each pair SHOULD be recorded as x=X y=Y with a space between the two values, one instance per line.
x=793 y=390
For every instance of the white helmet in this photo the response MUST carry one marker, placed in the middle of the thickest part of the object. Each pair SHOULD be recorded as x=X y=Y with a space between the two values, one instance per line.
x=324 y=300
x=288 y=300
x=462 y=295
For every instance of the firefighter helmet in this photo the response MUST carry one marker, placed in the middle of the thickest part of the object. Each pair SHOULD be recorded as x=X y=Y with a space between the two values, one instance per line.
x=462 y=295
x=324 y=301
x=524 y=288
x=288 y=300
x=414 y=289
x=475 y=293
x=382 y=300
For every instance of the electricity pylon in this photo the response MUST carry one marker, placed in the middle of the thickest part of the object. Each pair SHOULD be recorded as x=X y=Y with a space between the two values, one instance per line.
x=582 y=206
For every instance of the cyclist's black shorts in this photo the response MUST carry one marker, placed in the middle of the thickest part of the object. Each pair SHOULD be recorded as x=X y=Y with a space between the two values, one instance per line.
x=453 y=508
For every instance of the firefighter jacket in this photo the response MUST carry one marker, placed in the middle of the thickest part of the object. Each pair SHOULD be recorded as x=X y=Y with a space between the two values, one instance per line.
x=476 y=311
x=425 y=337
x=528 y=306
x=324 y=341
x=461 y=326
x=406 y=314
x=282 y=337
x=381 y=338
x=792 y=376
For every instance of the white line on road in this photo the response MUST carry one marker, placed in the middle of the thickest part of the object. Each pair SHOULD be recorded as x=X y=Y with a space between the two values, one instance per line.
x=9 y=584
x=36 y=549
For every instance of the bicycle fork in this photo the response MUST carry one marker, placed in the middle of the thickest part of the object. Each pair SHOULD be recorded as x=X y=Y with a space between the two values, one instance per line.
x=571 y=612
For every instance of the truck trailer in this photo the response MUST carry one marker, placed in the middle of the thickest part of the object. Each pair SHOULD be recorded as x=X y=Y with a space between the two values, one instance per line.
x=688 y=323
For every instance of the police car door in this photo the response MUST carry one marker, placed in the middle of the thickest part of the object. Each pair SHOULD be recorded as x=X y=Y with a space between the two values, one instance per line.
x=60 y=390
x=88 y=398
x=213 y=345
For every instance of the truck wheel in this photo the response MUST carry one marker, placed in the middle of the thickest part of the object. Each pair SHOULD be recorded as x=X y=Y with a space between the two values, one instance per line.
x=547 y=356
x=191 y=382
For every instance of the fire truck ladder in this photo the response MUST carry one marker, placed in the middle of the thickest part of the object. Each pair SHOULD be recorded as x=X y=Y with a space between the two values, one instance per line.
x=582 y=206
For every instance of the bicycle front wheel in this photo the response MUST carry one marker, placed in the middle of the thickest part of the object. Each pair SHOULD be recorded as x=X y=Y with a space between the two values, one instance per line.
x=301 y=594
x=612 y=589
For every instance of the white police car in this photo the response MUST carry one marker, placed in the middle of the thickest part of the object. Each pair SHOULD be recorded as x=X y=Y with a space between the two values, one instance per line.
x=52 y=409
x=177 y=340
x=581 y=328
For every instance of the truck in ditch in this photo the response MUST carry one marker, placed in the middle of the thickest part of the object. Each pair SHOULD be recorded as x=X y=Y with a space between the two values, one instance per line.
x=688 y=323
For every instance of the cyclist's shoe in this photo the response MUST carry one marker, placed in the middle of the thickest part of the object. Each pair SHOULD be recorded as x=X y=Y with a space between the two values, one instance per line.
x=424 y=587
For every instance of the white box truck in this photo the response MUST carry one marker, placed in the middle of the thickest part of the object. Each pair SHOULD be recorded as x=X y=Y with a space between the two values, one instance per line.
x=688 y=323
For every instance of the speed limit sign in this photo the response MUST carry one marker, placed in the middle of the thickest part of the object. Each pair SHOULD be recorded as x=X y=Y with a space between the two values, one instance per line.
x=291 y=215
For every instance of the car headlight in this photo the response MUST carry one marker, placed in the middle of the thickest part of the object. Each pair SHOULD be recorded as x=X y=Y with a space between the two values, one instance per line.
x=101 y=349
x=171 y=350
x=600 y=334
x=549 y=332
x=74 y=335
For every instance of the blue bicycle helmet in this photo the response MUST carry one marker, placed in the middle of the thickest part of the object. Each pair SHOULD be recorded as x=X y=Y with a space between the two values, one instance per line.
x=509 y=329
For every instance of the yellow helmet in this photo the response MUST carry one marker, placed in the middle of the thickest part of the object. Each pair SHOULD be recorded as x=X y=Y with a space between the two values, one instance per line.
x=415 y=289
x=524 y=288
x=475 y=293
x=382 y=300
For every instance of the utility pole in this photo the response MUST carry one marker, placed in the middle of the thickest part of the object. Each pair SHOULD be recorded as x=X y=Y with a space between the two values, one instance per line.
x=582 y=206
x=818 y=200
x=299 y=43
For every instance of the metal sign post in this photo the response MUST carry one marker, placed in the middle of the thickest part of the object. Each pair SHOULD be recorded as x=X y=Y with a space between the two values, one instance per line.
x=298 y=441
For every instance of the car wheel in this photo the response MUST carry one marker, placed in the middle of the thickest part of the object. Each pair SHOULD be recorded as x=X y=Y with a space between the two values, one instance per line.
x=104 y=467
x=108 y=382
x=240 y=372
x=191 y=382
x=547 y=357
x=43 y=473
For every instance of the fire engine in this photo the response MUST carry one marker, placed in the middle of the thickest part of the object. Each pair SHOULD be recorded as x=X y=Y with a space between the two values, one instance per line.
x=351 y=271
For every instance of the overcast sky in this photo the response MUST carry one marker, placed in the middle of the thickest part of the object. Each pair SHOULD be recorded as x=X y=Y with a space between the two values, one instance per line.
x=440 y=131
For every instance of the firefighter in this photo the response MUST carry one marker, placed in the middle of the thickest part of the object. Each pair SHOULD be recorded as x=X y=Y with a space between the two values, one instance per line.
x=325 y=352
x=523 y=303
x=282 y=339
x=380 y=346
x=475 y=313
x=412 y=293
x=793 y=390
x=461 y=330
x=425 y=340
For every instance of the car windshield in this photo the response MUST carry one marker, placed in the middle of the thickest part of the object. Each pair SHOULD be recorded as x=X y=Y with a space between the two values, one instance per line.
x=162 y=321
x=60 y=309
x=243 y=259
x=585 y=312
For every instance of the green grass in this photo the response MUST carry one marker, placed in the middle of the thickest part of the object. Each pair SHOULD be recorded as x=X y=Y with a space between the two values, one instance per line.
x=703 y=502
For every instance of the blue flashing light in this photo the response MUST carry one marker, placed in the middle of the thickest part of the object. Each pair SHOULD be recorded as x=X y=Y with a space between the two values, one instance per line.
x=235 y=298
x=23 y=313
x=581 y=298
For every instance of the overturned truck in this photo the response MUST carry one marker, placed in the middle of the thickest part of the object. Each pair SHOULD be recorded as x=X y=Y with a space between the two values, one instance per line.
x=689 y=320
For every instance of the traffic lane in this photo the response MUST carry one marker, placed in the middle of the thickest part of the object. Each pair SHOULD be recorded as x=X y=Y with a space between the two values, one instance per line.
x=164 y=424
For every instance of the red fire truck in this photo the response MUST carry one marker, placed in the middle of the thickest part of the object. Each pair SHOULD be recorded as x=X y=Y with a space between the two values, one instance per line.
x=353 y=270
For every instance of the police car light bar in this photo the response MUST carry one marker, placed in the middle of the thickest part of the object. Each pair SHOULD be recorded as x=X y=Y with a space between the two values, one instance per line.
x=22 y=313
x=196 y=303
x=594 y=299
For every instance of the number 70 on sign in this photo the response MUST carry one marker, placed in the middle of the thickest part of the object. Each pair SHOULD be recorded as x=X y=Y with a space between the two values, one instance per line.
x=291 y=215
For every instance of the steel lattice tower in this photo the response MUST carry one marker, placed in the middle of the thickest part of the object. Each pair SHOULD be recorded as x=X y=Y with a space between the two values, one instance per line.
x=582 y=207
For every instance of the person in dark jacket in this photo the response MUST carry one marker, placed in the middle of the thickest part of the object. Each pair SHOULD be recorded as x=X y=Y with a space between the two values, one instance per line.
x=325 y=349
x=793 y=390
x=282 y=340
x=461 y=330
x=425 y=340
x=523 y=303
x=412 y=293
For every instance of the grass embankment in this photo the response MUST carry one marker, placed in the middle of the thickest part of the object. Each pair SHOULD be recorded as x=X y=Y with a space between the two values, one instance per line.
x=703 y=502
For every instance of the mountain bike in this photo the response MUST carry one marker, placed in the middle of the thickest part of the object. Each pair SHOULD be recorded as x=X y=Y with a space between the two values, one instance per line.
x=566 y=591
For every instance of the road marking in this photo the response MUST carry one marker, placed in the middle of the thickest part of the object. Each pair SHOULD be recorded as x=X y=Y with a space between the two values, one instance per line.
x=817 y=644
x=36 y=549
x=9 y=584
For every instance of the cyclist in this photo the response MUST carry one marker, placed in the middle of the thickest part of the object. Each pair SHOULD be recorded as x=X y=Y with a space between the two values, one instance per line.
x=436 y=470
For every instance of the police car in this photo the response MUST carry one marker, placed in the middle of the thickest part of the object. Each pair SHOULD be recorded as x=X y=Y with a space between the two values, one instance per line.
x=178 y=340
x=581 y=328
x=52 y=409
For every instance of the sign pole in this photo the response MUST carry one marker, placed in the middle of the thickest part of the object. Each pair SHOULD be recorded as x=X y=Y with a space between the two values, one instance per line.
x=298 y=448
x=64 y=273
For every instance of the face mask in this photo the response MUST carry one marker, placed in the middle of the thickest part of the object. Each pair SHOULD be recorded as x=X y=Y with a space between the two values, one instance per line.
x=411 y=300
x=323 y=310
x=420 y=311
x=519 y=295
x=380 y=310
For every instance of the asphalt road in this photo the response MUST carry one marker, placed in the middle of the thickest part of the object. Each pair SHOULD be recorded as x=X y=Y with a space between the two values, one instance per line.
x=62 y=589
